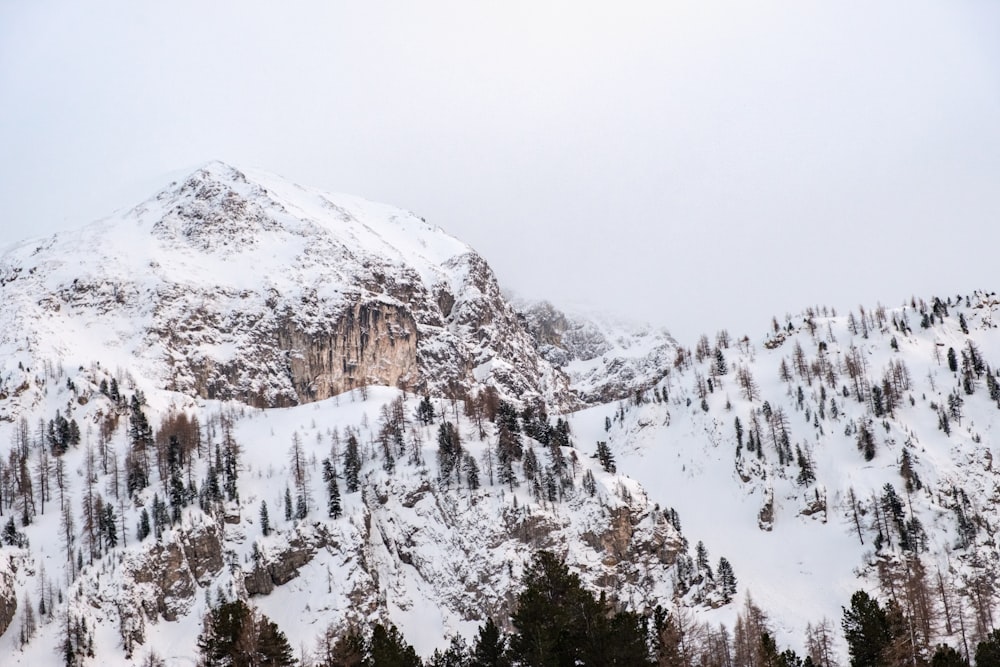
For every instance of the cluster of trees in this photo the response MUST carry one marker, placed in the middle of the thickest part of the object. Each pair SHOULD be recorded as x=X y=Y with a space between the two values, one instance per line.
x=879 y=636
x=557 y=622
x=236 y=635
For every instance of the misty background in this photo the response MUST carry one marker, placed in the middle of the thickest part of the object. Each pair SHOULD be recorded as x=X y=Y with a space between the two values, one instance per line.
x=696 y=165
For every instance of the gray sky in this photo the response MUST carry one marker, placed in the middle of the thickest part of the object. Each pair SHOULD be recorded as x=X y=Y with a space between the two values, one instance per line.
x=695 y=164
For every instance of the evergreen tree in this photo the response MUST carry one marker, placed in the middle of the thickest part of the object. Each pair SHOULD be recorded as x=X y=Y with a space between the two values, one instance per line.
x=606 y=458
x=946 y=656
x=142 y=532
x=490 y=647
x=449 y=452
x=288 y=504
x=425 y=411
x=727 y=580
x=559 y=623
x=265 y=521
x=471 y=472
x=952 y=360
x=235 y=635
x=389 y=649
x=333 y=506
x=988 y=651
x=352 y=463
x=867 y=631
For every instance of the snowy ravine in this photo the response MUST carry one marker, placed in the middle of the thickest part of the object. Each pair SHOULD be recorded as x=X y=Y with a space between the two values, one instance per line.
x=266 y=326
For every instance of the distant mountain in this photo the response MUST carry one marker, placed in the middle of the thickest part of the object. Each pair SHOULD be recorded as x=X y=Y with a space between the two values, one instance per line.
x=233 y=284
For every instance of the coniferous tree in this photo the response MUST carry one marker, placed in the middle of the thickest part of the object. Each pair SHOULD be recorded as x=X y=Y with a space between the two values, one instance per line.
x=606 y=458
x=727 y=579
x=388 y=648
x=352 y=463
x=490 y=647
x=142 y=532
x=333 y=505
x=471 y=472
x=449 y=452
x=265 y=520
x=946 y=656
x=234 y=634
x=988 y=650
x=559 y=623
x=867 y=631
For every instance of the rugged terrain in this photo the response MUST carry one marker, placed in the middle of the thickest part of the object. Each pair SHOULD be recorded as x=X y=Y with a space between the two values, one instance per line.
x=268 y=327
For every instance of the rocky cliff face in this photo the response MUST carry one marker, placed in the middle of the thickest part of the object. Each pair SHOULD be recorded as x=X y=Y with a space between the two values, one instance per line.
x=231 y=286
x=603 y=360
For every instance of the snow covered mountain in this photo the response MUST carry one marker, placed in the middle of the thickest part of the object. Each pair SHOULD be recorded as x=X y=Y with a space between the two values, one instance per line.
x=236 y=346
x=233 y=284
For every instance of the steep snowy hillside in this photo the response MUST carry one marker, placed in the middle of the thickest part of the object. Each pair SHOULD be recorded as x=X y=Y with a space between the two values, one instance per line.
x=234 y=284
x=839 y=453
x=604 y=359
x=436 y=553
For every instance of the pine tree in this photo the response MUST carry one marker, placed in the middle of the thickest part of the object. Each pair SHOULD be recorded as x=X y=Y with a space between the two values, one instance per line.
x=866 y=630
x=490 y=647
x=288 y=504
x=606 y=458
x=234 y=634
x=333 y=505
x=265 y=521
x=471 y=472
x=727 y=579
x=389 y=649
x=352 y=463
x=142 y=532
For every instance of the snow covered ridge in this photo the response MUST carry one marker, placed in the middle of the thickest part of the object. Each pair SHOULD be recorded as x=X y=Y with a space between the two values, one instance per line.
x=604 y=359
x=240 y=285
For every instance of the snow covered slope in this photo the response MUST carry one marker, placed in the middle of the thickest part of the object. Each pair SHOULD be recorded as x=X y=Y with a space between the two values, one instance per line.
x=833 y=411
x=233 y=284
x=267 y=327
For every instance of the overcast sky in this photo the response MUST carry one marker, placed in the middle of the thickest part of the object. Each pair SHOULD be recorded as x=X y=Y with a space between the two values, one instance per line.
x=695 y=164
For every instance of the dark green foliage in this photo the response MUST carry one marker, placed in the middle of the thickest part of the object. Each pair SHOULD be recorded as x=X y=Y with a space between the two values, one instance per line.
x=288 y=504
x=235 y=635
x=352 y=463
x=866 y=630
x=175 y=479
x=265 y=520
x=333 y=506
x=560 y=623
x=143 y=530
x=425 y=411
x=962 y=323
x=12 y=537
x=449 y=454
x=946 y=656
x=471 y=472
x=605 y=456
x=952 y=360
x=589 y=483
x=490 y=647
x=62 y=433
x=806 y=473
x=727 y=579
x=456 y=655
x=720 y=362
x=388 y=649
x=866 y=441
x=988 y=651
